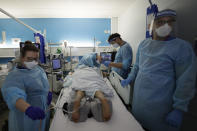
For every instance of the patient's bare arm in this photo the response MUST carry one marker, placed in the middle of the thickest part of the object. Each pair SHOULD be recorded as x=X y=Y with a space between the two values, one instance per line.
x=75 y=114
x=105 y=105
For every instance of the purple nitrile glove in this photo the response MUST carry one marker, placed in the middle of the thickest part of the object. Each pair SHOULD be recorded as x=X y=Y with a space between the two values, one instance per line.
x=49 y=98
x=174 y=118
x=35 y=113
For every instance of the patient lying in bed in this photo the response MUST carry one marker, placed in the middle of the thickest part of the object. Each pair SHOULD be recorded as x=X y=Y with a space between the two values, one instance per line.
x=87 y=81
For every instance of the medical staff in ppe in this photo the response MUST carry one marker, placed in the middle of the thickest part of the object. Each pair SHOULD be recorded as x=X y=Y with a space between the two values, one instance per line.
x=26 y=92
x=123 y=58
x=164 y=75
x=91 y=60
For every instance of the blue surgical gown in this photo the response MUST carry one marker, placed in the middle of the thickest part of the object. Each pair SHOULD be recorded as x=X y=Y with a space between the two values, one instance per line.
x=164 y=75
x=89 y=60
x=124 y=56
x=31 y=86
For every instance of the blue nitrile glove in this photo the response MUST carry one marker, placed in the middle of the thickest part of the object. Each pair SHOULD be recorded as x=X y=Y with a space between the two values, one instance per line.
x=125 y=82
x=174 y=118
x=106 y=63
x=49 y=98
x=35 y=113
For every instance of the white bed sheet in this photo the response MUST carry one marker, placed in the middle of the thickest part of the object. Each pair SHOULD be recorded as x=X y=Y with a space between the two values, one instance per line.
x=121 y=120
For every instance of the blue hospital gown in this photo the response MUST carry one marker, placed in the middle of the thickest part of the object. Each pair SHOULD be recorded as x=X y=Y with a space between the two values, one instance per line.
x=164 y=75
x=124 y=56
x=31 y=86
x=89 y=60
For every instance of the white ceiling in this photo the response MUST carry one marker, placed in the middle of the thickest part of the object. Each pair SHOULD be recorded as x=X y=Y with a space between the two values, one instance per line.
x=64 y=8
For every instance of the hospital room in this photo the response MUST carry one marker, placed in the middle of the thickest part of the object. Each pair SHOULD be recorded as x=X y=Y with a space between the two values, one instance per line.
x=101 y=65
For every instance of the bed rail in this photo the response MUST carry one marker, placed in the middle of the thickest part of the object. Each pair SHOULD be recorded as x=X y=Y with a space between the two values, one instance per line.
x=126 y=92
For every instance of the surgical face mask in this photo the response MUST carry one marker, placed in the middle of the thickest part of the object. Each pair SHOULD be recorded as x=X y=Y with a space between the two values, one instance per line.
x=115 y=45
x=164 y=30
x=31 y=65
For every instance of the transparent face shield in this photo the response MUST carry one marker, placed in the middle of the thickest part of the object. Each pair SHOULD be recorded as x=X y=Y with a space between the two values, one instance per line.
x=165 y=27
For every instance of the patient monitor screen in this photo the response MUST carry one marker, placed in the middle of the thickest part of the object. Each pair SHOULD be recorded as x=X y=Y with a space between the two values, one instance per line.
x=56 y=64
x=108 y=56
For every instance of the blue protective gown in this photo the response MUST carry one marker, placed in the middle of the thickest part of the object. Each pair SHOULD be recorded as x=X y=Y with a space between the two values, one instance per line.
x=89 y=60
x=31 y=86
x=124 y=56
x=164 y=75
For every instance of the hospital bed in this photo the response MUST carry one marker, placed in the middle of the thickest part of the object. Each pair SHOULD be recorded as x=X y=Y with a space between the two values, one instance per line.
x=124 y=93
x=121 y=118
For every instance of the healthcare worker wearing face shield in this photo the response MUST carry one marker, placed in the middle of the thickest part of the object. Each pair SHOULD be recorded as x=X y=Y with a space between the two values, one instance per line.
x=90 y=60
x=164 y=75
x=26 y=92
x=123 y=58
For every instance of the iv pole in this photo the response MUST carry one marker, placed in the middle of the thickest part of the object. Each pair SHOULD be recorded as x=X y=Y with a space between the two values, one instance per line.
x=94 y=48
